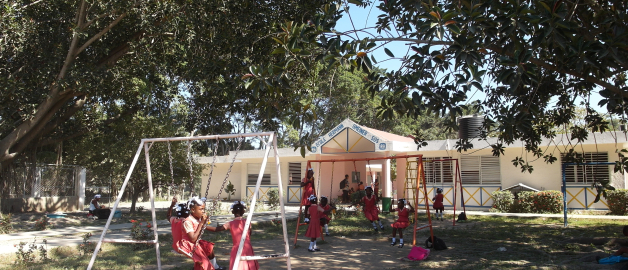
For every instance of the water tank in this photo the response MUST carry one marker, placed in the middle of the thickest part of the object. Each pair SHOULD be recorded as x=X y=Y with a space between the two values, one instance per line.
x=470 y=126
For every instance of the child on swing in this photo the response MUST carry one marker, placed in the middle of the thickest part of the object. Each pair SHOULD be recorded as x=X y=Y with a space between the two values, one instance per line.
x=370 y=208
x=203 y=256
x=314 y=227
x=438 y=203
x=307 y=184
x=325 y=215
x=176 y=221
x=402 y=222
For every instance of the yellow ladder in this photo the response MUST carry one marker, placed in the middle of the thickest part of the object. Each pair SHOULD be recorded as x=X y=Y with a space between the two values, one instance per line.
x=411 y=177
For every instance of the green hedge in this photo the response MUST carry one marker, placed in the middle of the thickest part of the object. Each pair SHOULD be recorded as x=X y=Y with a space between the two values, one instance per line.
x=549 y=201
x=617 y=201
x=544 y=202
x=502 y=201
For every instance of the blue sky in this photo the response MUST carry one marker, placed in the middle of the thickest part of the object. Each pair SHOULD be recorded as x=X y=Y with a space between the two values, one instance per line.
x=362 y=19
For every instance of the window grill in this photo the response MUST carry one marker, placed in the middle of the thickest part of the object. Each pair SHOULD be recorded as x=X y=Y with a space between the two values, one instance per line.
x=586 y=174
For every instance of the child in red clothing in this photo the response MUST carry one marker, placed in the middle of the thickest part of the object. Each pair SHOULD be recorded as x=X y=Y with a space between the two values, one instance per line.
x=438 y=203
x=307 y=184
x=191 y=230
x=314 y=227
x=236 y=226
x=402 y=222
x=175 y=223
x=325 y=215
x=370 y=208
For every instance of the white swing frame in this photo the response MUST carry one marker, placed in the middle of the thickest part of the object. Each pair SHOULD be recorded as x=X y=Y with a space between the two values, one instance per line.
x=147 y=143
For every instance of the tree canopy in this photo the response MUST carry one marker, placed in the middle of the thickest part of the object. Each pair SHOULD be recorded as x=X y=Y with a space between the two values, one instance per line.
x=63 y=57
x=532 y=60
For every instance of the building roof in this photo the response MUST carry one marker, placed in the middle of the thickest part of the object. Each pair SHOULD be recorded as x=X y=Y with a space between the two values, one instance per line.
x=350 y=137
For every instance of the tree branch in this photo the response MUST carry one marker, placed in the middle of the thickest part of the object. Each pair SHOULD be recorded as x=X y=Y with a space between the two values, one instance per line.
x=100 y=34
x=84 y=131
x=88 y=23
x=78 y=104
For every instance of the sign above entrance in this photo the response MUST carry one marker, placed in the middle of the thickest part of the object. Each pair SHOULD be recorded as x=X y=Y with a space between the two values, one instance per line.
x=349 y=137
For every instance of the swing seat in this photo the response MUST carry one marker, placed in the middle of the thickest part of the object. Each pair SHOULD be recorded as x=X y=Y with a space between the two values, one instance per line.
x=422 y=227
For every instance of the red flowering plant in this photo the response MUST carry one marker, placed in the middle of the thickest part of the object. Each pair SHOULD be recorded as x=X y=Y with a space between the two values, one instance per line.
x=617 y=201
x=141 y=232
x=543 y=202
x=502 y=201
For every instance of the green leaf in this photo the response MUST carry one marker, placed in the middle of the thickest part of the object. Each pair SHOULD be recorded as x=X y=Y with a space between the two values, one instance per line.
x=279 y=50
x=388 y=52
x=454 y=28
x=356 y=2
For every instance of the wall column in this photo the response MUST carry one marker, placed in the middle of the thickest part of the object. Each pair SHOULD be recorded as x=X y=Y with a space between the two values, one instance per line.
x=386 y=176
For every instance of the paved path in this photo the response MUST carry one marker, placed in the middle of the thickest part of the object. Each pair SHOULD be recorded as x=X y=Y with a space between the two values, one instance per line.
x=71 y=236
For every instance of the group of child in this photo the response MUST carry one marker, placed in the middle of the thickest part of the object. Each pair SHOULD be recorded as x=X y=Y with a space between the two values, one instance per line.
x=317 y=215
x=188 y=222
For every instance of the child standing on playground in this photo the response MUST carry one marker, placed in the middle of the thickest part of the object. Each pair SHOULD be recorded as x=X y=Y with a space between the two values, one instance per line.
x=236 y=226
x=314 y=227
x=307 y=184
x=370 y=208
x=438 y=203
x=402 y=222
x=325 y=215
x=191 y=230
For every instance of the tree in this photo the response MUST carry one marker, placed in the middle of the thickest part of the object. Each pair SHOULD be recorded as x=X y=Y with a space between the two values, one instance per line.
x=109 y=151
x=522 y=54
x=63 y=57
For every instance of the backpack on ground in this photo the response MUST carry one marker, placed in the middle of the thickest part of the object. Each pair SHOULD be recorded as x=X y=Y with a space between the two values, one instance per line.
x=462 y=217
x=438 y=244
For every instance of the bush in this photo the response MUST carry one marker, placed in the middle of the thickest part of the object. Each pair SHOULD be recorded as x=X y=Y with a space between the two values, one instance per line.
x=5 y=224
x=273 y=198
x=141 y=233
x=42 y=223
x=356 y=197
x=88 y=247
x=503 y=201
x=543 y=202
x=617 y=201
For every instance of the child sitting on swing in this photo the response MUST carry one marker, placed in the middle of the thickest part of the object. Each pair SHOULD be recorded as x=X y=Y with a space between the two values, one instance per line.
x=370 y=208
x=438 y=203
x=176 y=220
x=402 y=222
x=203 y=255
x=325 y=215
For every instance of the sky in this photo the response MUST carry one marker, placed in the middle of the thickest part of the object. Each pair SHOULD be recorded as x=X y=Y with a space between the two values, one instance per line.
x=362 y=19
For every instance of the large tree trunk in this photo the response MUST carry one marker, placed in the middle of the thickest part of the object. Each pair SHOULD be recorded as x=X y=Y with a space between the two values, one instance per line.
x=134 y=196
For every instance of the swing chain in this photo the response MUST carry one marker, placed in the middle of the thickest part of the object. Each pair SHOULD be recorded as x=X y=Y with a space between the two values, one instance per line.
x=219 y=193
x=332 y=180
x=211 y=171
x=191 y=168
x=171 y=170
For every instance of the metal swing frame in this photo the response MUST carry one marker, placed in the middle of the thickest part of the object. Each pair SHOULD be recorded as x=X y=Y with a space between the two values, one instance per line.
x=147 y=143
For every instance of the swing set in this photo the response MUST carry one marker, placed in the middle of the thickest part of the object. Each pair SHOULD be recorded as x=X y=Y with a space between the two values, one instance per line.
x=269 y=143
x=417 y=185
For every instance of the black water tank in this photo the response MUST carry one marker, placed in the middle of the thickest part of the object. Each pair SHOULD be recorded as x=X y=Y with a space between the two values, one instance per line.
x=470 y=126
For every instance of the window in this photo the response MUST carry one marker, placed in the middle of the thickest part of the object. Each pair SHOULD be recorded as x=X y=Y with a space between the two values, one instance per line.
x=480 y=170
x=587 y=174
x=253 y=171
x=439 y=171
x=252 y=179
x=294 y=172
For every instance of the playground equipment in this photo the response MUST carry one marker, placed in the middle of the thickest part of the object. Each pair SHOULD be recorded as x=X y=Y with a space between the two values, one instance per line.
x=147 y=144
x=414 y=183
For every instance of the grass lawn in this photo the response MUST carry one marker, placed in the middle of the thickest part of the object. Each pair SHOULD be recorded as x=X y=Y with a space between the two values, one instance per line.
x=531 y=243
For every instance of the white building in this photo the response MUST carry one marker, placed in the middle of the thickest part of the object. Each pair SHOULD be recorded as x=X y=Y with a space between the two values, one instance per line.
x=481 y=172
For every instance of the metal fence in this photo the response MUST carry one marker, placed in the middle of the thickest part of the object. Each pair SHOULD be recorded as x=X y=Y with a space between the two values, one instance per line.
x=43 y=181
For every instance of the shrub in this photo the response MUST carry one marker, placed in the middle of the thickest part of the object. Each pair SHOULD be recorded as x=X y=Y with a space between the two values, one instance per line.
x=87 y=247
x=273 y=198
x=356 y=197
x=550 y=201
x=42 y=223
x=230 y=189
x=139 y=232
x=617 y=201
x=503 y=201
x=27 y=255
x=5 y=224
